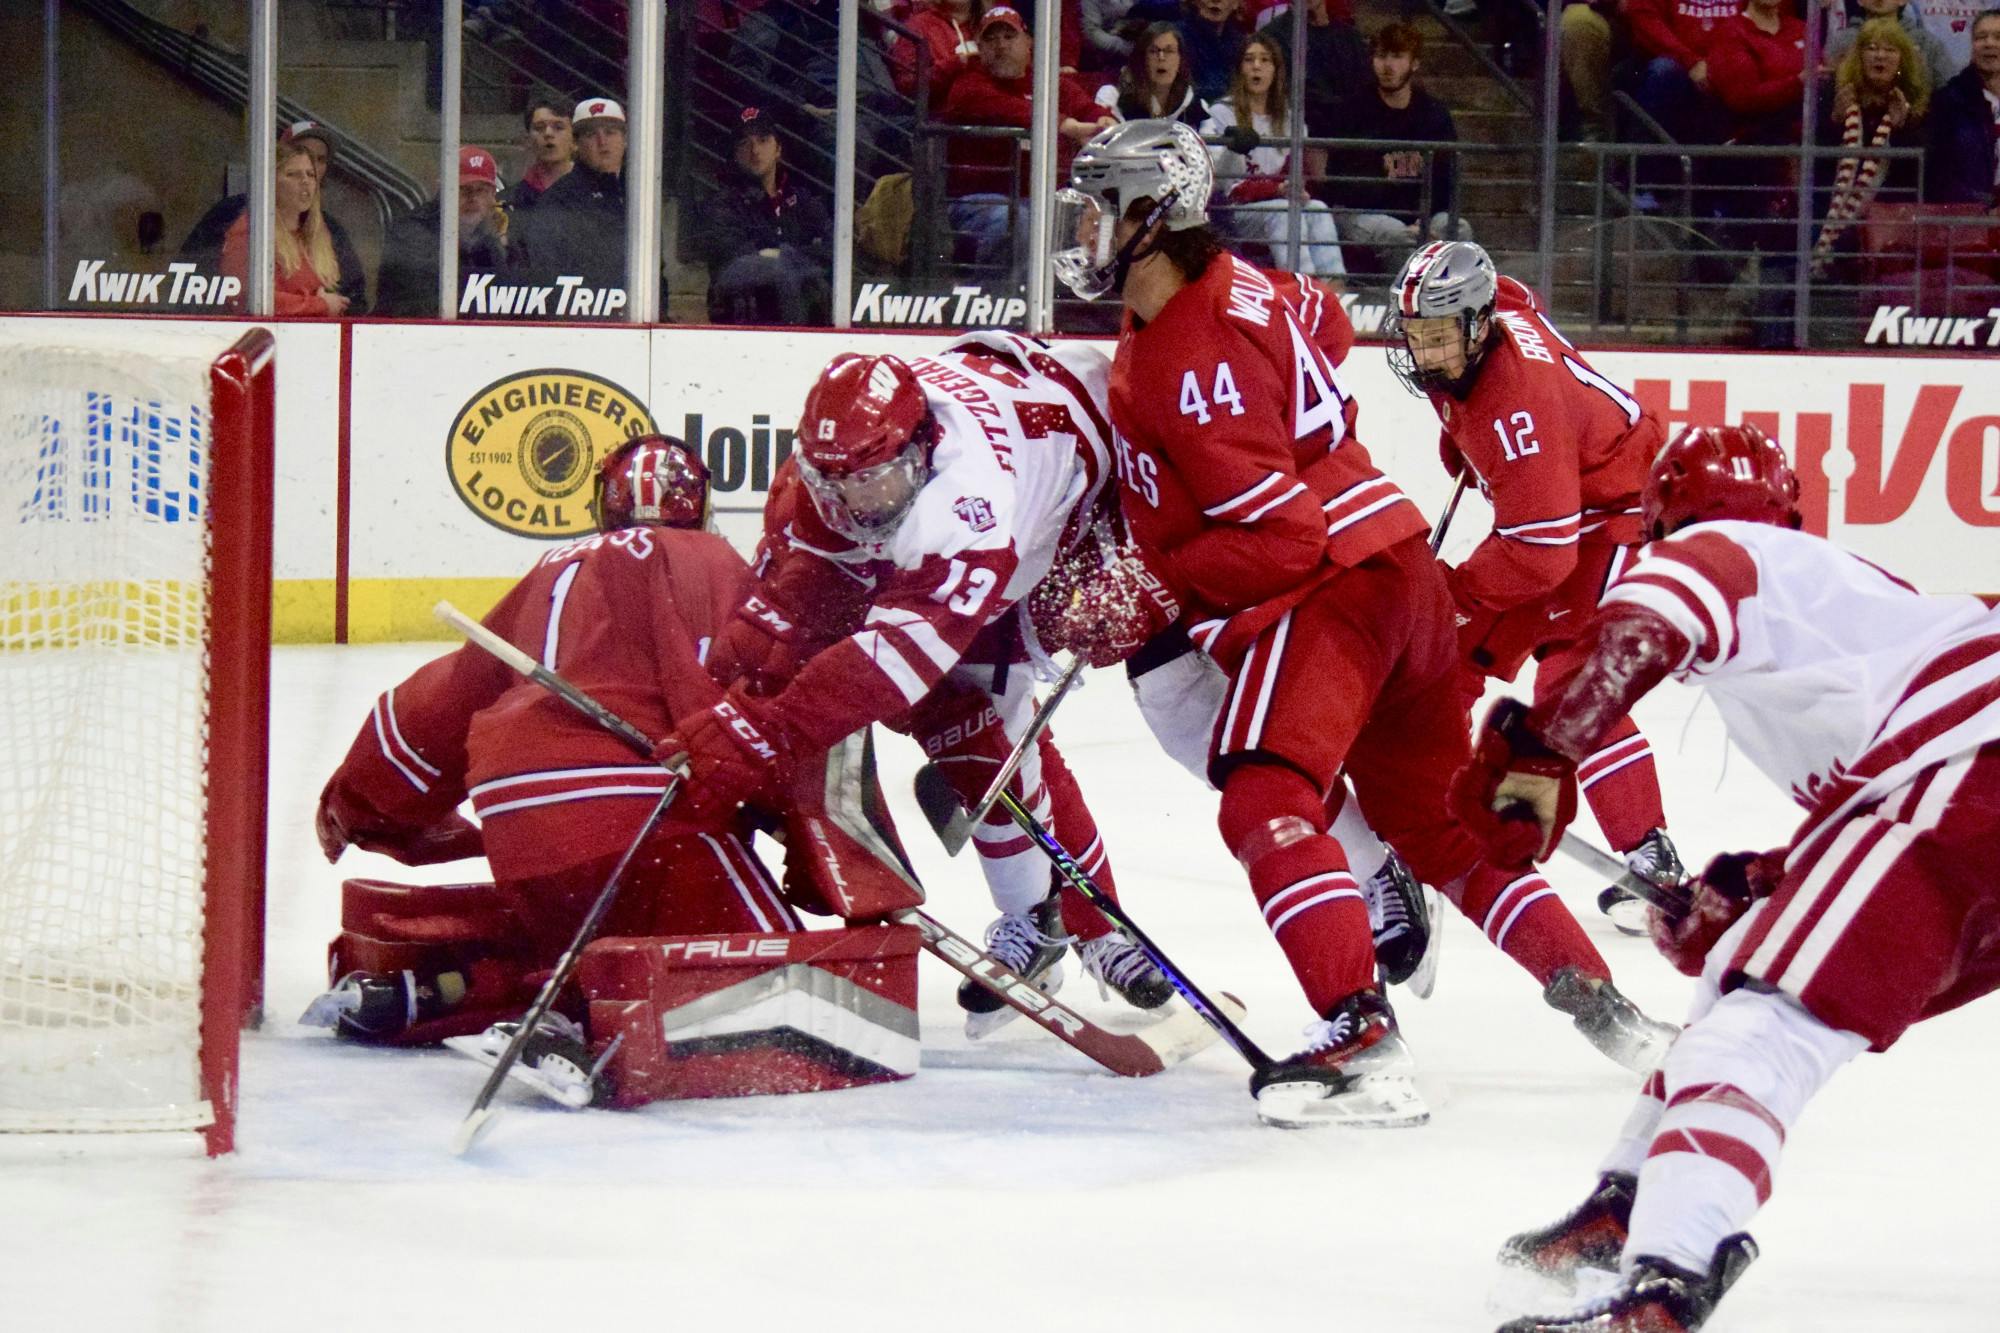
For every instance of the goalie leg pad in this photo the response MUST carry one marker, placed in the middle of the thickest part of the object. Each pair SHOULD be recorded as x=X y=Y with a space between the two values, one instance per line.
x=743 y=1015
x=462 y=944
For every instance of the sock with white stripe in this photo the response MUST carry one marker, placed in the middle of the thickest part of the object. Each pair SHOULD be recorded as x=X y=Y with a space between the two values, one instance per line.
x=1525 y=920
x=1735 y=1083
x=1622 y=785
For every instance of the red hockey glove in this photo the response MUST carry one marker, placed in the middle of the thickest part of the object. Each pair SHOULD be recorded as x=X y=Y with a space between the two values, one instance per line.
x=733 y=755
x=1515 y=795
x=1101 y=600
x=1449 y=455
x=1723 y=892
x=757 y=647
x=343 y=822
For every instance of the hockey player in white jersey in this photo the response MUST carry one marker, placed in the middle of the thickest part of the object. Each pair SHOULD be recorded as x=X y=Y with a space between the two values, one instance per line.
x=927 y=501
x=1878 y=708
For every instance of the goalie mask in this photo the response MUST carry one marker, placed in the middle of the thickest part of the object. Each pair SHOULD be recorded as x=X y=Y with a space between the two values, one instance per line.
x=1712 y=472
x=1161 y=160
x=865 y=443
x=1441 y=317
x=651 y=479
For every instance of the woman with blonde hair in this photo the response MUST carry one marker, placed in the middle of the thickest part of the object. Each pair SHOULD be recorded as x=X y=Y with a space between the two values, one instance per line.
x=1252 y=163
x=1881 y=91
x=306 y=273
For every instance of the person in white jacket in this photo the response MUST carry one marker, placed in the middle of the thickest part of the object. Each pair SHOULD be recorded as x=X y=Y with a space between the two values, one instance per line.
x=1252 y=163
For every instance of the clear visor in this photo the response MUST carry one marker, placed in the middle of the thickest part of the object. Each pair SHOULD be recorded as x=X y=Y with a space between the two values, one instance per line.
x=1083 y=229
x=866 y=506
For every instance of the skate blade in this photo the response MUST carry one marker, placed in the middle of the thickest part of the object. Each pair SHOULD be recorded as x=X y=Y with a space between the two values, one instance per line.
x=566 y=1093
x=1626 y=913
x=1378 y=1101
x=1424 y=980
x=980 y=1026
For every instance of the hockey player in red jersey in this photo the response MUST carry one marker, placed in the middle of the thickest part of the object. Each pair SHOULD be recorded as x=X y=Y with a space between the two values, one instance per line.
x=1306 y=576
x=1560 y=452
x=927 y=500
x=1878 y=708
x=621 y=615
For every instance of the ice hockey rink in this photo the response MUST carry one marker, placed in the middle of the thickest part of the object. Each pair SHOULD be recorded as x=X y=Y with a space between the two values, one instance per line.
x=1010 y=1184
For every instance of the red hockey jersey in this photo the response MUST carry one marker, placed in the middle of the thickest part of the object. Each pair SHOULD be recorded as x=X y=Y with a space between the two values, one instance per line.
x=626 y=617
x=1559 y=450
x=1240 y=474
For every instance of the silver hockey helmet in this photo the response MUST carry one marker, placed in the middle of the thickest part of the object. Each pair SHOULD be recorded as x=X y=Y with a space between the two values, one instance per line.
x=1443 y=281
x=1161 y=160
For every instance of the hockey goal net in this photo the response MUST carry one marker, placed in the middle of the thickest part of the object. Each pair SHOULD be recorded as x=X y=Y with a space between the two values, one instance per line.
x=135 y=510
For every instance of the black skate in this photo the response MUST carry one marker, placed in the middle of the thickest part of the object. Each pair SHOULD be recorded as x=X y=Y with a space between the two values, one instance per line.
x=1031 y=944
x=1591 y=1235
x=1609 y=1021
x=555 y=1061
x=1355 y=1071
x=1117 y=964
x=1658 y=1297
x=1400 y=918
x=374 y=1006
x=1653 y=874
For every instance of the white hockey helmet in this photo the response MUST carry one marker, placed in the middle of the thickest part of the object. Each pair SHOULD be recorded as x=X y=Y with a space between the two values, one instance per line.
x=1161 y=160
x=1452 y=280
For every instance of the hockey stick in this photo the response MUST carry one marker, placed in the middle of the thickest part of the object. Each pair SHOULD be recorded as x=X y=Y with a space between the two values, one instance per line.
x=1450 y=508
x=1623 y=878
x=1135 y=1056
x=959 y=823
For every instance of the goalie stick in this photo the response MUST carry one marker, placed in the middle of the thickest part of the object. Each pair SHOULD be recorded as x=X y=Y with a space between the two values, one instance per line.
x=1151 y=1051
x=937 y=798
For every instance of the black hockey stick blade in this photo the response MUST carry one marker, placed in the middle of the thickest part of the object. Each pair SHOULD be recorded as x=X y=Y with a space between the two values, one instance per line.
x=1672 y=901
x=938 y=799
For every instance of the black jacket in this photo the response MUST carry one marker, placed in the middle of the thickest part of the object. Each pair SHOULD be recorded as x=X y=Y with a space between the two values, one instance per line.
x=1958 y=162
x=576 y=228
x=742 y=220
x=203 y=246
x=407 y=285
x=1337 y=65
x=1372 y=189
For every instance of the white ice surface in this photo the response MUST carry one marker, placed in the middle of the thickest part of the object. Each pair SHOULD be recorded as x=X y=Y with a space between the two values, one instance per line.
x=1010 y=1185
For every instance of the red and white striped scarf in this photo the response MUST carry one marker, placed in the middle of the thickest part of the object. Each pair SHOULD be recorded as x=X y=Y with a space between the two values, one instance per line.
x=1854 y=187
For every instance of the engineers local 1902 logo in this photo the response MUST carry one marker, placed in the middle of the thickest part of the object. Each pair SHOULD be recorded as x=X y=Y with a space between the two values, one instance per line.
x=523 y=450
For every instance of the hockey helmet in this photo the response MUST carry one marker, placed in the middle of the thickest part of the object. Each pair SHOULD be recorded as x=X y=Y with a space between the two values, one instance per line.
x=864 y=446
x=651 y=479
x=1161 y=160
x=1712 y=472
x=1441 y=315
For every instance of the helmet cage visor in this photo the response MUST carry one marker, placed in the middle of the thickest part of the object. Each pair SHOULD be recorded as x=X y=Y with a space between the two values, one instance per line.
x=867 y=505
x=1087 y=265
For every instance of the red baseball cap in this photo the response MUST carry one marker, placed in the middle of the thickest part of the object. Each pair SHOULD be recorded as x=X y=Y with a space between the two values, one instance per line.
x=1004 y=14
x=476 y=164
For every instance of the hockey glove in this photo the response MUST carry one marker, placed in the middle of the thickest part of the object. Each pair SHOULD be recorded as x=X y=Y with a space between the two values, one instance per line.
x=1101 y=601
x=758 y=647
x=1725 y=890
x=1515 y=795
x=733 y=756
x=1449 y=455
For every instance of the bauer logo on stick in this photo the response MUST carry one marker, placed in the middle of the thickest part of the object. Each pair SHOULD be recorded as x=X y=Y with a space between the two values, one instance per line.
x=523 y=450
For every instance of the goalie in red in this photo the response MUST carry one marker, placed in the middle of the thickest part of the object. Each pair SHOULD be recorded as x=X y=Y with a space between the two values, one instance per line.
x=1305 y=575
x=1560 y=452
x=1878 y=708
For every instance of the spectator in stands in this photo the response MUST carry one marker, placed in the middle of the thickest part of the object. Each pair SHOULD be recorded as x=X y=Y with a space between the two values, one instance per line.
x=551 y=151
x=1155 y=83
x=1591 y=31
x=408 y=284
x=1379 y=194
x=1880 y=94
x=203 y=245
x=1756 y=68
x=577 y=227
x=766 y=241
x=1670 y=39
x=1112 y=29
x=306 y=278
x=1336 y=61
x=1211 y=43
x=949 y=33
x=1252 y=166
x=1960 y=163
x=1938 y=65
x=1000 y=91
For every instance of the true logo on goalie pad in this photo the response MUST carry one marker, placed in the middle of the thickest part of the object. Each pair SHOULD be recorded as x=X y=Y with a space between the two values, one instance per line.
x=521 y=453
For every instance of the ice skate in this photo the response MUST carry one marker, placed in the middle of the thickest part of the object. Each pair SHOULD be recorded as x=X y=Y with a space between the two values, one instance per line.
x=1655 y=863
x=1399 y=915
x=1031 y=944
x=555 y=1062
x=1117 y=964
x=1609 y=1021
x=1658 y=1297
x=1591 y=1235
x=369 y=1006
x=1354 y=1071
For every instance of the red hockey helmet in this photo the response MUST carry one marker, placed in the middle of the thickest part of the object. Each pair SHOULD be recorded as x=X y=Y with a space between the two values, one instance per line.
x=865 y=445
x=1711 y=472
x=651 y=479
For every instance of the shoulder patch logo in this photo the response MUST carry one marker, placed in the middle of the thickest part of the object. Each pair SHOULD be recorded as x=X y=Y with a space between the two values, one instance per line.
x=976 y=513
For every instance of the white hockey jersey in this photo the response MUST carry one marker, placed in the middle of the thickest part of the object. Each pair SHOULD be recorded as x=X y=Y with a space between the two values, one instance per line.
x=1838 y=680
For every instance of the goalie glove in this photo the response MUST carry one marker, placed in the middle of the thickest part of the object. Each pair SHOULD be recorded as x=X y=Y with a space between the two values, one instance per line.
x=1515 y=795
x=1101 y=600
x=1725 y=890
x=733 y=756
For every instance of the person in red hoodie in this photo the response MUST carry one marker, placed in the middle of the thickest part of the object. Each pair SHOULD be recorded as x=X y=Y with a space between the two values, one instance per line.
x=983 y=172
x=1671 y=38
x=949 y=33
x=1756 y=66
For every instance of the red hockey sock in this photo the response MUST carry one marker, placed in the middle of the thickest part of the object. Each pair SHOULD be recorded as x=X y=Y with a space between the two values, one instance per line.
x=1071 y=823
x=1623 y=787
x=1525 y=920
x=1270 y=820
